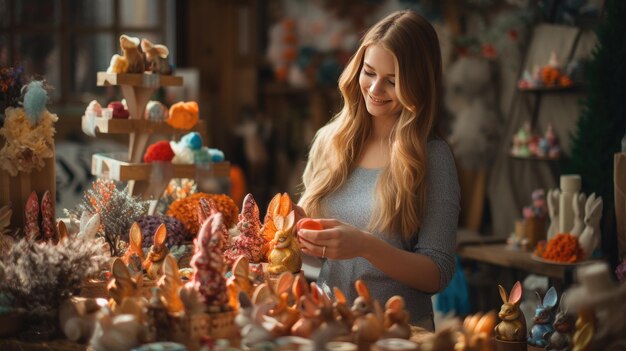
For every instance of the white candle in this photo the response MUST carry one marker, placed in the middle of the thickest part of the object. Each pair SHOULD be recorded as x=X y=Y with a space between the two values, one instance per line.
x=570 y=185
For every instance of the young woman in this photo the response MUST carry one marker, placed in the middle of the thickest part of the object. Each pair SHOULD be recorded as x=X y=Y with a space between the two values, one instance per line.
x=382 y=184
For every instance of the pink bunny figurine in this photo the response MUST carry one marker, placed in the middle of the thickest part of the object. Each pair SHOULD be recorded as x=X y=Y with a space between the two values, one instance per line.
x=513 y=324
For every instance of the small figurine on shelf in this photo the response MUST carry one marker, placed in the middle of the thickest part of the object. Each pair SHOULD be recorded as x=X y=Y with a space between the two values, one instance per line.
x=521 y=140
x=118 y=110
x=589 y=239
x=156 y=57
x=512 y=327
x=544 y=316
x=132 y=54
x=279 y=205
x=553 y=149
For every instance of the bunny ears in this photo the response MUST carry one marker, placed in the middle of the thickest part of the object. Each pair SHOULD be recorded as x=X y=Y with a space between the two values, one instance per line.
x=516 y=294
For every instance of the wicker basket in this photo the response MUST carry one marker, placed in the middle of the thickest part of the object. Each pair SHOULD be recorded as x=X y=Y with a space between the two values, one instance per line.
x=222 y=325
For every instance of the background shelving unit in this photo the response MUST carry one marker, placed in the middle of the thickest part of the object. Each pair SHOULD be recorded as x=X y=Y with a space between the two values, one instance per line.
x=147 y=180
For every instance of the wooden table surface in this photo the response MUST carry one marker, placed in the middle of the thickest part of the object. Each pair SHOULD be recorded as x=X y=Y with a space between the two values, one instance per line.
x=500 y=255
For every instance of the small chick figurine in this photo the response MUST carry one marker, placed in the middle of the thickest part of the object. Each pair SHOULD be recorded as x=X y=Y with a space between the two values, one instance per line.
x=284 y=255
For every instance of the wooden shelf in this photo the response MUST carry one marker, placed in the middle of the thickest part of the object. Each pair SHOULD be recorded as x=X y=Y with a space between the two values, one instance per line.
x=499 y=255
x=146 y=80
x=570 y=89
x=535 y=158
x=127 y=126
x=114 y=166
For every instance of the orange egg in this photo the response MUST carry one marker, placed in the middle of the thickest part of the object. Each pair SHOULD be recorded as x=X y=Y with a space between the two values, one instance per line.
x=308 y=223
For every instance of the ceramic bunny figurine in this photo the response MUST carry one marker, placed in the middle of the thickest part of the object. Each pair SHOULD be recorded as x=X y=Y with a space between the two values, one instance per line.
x=331 y=328
x=156 y=57
x=208 y=263
x=133 y=257
x=250 y=321
x=396 y=319
x=239 y=281
x=154 y=261
x=88 y=229
x=116 y=333
x=341 y=308
x=564 y=322
x=122 y=285
x=285 y=314
x=78 y=315
x=309 y=321
x=368 y=324
x=62 y=230
x=170 y=284
x=513 y=324
x=250 y=242
x=285 y=253
x=544 y=316
x=553 y=212
x=134 y=57
x=589 y=239
x=478 y=331
x=578 y=205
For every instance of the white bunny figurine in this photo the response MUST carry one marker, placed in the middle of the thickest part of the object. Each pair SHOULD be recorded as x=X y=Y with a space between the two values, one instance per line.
x=589 y=239
x=578 y=205
x=553 y=212
x=116 y=333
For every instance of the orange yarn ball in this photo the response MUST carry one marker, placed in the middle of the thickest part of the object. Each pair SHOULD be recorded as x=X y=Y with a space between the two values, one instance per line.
x=183 y=115
x=186 y=210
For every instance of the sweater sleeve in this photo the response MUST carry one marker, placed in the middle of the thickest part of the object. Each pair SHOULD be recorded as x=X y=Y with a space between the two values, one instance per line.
x=437 y=236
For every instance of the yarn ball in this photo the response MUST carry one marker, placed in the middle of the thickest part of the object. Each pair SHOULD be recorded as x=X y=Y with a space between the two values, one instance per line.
x=176 y=231
x=183 y=115
x=159 y=151
x=94 y=108
x=217 y=155
x=156 y=111
x=192 y=140
x=182 y=154
x=119 y=111
x=201 y=157
x=186 y=210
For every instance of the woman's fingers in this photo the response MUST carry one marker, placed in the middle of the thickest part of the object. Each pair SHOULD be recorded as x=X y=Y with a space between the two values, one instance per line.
x=313 y=250
x=318 y=237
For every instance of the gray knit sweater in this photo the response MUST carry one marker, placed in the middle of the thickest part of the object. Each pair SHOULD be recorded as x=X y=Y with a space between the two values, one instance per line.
x=437 y=237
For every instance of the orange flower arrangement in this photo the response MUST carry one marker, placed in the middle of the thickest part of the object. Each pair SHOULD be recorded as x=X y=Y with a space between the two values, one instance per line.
x=562 y=247
x=550 y=76
x=186 y=210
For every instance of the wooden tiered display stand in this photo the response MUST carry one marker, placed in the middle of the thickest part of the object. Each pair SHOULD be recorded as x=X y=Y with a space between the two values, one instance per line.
x=147 y=180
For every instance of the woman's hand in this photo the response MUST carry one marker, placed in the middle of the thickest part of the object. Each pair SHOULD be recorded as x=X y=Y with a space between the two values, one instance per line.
x=336 y=241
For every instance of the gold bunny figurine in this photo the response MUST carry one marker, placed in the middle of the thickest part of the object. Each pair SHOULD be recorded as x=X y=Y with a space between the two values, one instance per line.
x=285 y=251
x=154 y=262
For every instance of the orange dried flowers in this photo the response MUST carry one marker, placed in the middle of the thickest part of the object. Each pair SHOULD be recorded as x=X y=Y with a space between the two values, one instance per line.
x=185 y=210
x=563 y=247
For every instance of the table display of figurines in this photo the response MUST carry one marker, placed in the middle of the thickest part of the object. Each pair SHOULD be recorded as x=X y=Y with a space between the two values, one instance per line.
x=41 y=267
x=574 y=230
x=527 y=144
x=510 y=333
x=532 y=228
x=293 y=308
x=552 y=75
x=596 y=303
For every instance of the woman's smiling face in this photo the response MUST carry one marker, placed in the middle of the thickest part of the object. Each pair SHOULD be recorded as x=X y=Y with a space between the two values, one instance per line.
x=378 y=82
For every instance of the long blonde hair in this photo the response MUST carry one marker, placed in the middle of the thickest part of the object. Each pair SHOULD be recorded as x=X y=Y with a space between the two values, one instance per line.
x=401 y=189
